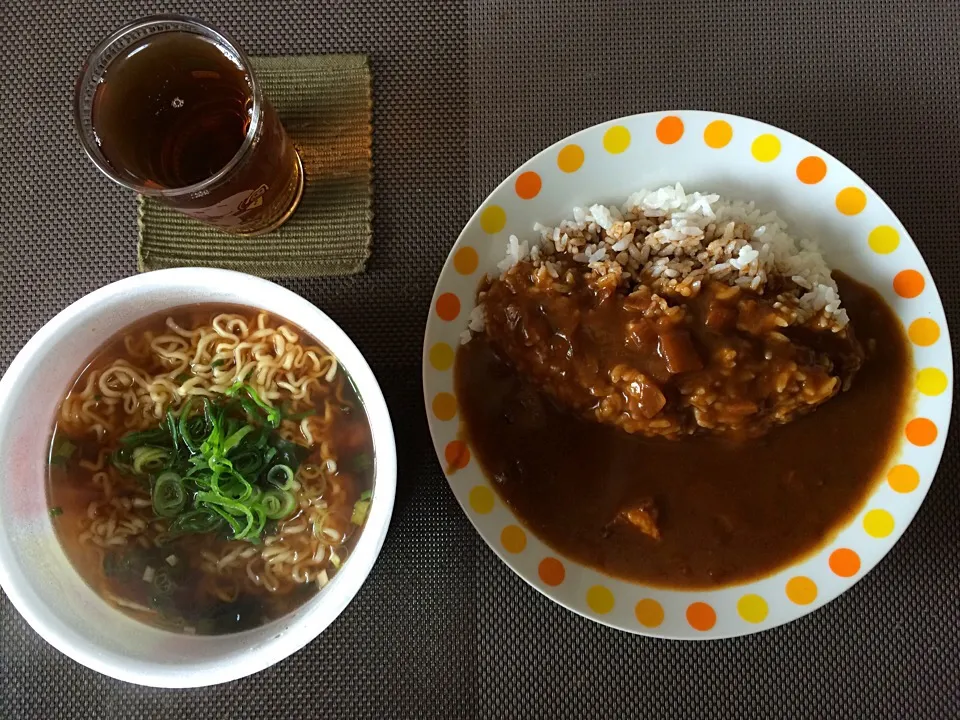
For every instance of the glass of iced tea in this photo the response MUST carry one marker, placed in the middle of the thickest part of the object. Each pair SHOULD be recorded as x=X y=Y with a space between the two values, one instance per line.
x=170 y=107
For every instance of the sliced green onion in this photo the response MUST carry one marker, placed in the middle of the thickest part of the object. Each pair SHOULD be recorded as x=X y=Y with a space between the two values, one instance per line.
x=281 y=476
x=301 y=416
x=259 y=522
x=219 y=468
x=231 y=511
x=157 y=436
x=278 y=504
x=65 y=449
x=188 y=429
x=169 y=497
x=172 y=429
x=366 y=495
x=231 y=442
x=248 y=463
x=360 y=510
x=62 y=452
x=147 y=460
x=273 y=415
x=196 y=521
x=56 y=511
x=120 y=458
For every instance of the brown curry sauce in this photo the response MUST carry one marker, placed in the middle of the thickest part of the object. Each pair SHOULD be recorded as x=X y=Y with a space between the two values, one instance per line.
x=728 y=511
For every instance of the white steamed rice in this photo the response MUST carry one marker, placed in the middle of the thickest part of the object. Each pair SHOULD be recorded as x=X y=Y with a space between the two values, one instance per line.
x=680 y=239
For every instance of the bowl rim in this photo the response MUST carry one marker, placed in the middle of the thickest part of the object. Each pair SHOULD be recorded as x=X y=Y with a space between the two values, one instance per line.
x=292 y=637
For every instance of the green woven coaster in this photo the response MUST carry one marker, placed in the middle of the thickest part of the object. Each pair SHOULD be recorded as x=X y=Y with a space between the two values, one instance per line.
x=324 y=103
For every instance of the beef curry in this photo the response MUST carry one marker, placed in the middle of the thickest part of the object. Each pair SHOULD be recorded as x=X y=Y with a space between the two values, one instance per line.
x=743 y=491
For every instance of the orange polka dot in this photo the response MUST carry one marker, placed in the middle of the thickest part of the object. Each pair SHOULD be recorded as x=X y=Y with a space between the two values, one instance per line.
x=528 y=185
x=441 y=357
x=551 y=571
x=570 y=158
x=457 y=454
x=445 y=406
x=851 y=201
x=718 y=134
x=908 y=283
x=701 y=616
x=844 y=562
x=649 y=613
x=923 y=332
x=903 y=478
x=465 y=260
x=513 y=539
x=801 y=590
x=670 y=130
x=921 y=432
x=448 y=306
x=811 y=170
x=600 y=599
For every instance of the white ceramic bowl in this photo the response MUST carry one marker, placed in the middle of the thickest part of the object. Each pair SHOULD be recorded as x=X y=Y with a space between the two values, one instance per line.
x=34 y=571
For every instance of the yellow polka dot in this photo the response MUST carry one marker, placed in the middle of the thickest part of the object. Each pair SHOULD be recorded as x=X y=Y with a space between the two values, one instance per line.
x=481 y=499
x=903 y=478
x=752 y=608
x=851 y=201
x=493 y=219
x=441 y=357
x=649 y=613
x=616 y=139
x=801 y=590
x=600 y=599
x=445 y=406
x=465 y=260
x=513 y=539
x=883 y=239
x=924 y=332
x=718 y=134
x=766 y=148
x=931 y=381
x=878 y=523
x=570 y=158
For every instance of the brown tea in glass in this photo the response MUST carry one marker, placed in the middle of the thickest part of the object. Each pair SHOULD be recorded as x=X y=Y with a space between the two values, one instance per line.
x=169 y=107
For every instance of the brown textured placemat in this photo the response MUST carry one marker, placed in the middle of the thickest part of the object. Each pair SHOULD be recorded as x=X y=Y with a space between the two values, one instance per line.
x=465 y=92
x=324 y=103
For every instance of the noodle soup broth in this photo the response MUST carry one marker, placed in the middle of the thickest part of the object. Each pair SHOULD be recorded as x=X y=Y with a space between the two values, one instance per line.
x=210 y=469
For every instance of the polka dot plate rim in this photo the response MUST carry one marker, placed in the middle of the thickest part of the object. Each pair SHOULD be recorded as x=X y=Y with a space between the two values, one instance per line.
x=819 y=197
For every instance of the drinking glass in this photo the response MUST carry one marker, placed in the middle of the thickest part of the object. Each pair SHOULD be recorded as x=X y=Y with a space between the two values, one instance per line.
x=170 y=107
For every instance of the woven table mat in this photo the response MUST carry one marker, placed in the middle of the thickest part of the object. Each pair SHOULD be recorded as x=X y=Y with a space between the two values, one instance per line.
x=324 y=104
x=463 y=93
